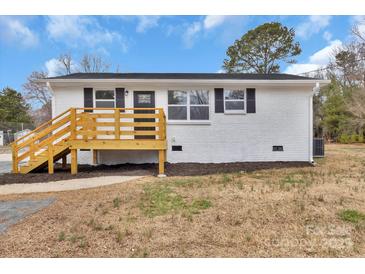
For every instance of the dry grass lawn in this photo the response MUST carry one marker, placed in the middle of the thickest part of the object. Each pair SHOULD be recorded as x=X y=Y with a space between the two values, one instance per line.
x=295 y=212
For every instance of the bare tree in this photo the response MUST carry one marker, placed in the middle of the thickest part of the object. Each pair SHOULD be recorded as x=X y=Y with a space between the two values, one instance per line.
x=348 y=65
x=356 y=106
x=93 y=63
x=66 y=60
x=357 y=32
x=39 y=95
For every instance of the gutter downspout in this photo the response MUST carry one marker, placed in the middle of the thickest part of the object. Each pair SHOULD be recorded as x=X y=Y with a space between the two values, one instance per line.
x=314 y=91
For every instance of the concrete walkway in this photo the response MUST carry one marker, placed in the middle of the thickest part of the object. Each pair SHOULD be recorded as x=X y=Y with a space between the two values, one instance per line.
x=64 y=185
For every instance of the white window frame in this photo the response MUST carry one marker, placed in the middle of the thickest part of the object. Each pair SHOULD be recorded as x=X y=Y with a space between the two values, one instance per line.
x=235 y=111
x=188 y=105
x=104 y=100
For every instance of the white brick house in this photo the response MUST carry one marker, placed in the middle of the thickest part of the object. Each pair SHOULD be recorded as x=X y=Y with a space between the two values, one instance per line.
x=211 y=118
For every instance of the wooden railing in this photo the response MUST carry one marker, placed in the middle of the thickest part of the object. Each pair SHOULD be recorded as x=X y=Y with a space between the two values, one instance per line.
x=118 y=123
x=42 y=138
x=89 y=124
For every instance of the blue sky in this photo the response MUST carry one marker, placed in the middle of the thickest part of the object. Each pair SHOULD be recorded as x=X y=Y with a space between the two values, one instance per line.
x=152 y=43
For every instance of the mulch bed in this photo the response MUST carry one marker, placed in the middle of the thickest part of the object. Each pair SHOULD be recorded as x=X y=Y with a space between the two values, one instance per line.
x=180 y=169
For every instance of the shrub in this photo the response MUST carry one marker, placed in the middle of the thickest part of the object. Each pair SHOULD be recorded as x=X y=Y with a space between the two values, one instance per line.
x=344 y=139
x=354 y=138
x=361 y=138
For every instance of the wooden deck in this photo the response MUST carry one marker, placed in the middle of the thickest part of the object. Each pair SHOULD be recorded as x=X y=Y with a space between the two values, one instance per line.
x=90 y=128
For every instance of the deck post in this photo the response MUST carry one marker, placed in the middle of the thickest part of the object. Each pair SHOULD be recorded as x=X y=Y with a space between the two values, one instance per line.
x=161 y=163
x=95 y=157
x=73 y=161
x=73 y=123
x=64 y=161
x=15 y=158
x=95 y=152
x=50 y=159
x=117 y=123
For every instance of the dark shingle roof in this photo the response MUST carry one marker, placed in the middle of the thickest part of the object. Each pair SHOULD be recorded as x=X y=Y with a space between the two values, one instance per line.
x=183 y=76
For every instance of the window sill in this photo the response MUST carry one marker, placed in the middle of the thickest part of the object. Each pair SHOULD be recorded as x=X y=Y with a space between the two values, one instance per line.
x=234 y=113
x=189 y=123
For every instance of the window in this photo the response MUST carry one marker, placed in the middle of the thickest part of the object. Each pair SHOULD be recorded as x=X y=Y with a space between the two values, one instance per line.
x=144 y=98
x=178 y=105
x=104 y=98
x=234 y=101
x=188 y=105
x=199 y=105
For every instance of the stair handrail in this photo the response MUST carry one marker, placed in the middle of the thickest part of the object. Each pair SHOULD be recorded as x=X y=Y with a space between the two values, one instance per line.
x=39 y=127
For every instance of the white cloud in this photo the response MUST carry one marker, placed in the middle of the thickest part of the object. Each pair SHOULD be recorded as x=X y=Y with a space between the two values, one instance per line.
x=232 y=28
x=313 y=25
x=323 y=56
x=147 y=22
x=55 y=67
x=212 y=21
x=317 y=60
x=82 y=31
x=191 y=33
x=14 y=31
x=327 y=36
x=301 y=68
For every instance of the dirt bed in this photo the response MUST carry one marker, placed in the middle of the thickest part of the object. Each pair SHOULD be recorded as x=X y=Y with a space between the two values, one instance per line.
x=180 y=169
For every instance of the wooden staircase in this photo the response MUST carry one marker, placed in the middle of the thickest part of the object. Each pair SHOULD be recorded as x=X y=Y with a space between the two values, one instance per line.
x=90 y=128
x=60 y=151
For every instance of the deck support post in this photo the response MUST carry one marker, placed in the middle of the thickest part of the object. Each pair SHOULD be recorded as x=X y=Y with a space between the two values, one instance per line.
x=64 y=161
x=73 y=161
x=161 y=163
x=95 y=157
x=15 y=159
x=117 y=123
x=50 y=159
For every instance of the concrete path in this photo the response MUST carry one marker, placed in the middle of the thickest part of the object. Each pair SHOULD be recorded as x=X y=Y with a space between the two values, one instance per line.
x=65 y=185
x=12 y=212
x=5 y=163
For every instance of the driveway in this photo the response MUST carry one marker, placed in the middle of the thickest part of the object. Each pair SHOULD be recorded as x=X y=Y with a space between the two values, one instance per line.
x=5 y=163
x=12 y=212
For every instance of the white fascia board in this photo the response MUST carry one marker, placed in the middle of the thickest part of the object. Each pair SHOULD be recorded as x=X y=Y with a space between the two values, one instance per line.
x=190 y=82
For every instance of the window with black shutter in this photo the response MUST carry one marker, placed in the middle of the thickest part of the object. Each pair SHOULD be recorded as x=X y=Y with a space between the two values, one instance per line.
x=88 y=99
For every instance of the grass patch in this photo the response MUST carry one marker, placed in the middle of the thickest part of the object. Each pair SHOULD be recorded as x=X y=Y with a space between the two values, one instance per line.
x=226 y=178
x=352 y=216
x=61 y=236
x=161 y=200
x=116 y=202
x=95 y=225
x=74 y=238
x=186 y=182
x=198 y=205
x=292 y=180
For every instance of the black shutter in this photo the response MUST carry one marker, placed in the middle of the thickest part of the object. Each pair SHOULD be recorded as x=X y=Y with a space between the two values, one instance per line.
x=218 y=94
x=251 y=100
x=119 y=98
x=88 y=99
